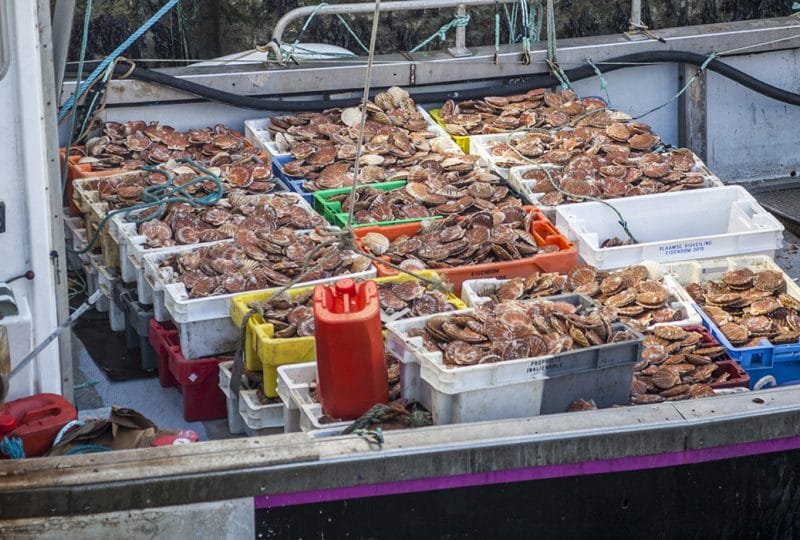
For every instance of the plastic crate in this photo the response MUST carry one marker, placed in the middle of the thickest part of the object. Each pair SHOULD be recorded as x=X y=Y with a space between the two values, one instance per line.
x=235 y=422
x=779 y=361
x=676 y=226
x=336 y=215
x=264 y=351
x=257 y=132
x=463 y=142
x=292 y=387
x=199 y=382
x=522 y=387
x=479 y=146
x=133 y=246
x=523 y=186
x=542 y=230
x=137 y=326
x=163 y=336
x=471 y=289
x=107 y=280
x=258 y=417
x=204 y=324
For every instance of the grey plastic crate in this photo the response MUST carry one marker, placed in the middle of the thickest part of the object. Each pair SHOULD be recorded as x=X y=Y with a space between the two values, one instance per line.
x=137 y=328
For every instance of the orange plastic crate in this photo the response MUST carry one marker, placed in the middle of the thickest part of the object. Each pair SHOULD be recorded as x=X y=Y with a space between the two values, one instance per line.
x=543 y=231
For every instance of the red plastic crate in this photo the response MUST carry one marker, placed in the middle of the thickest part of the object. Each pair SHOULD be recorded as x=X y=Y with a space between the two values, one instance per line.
x=162 y=337
x=543 y=231
x=738 y=377
x=199 y=381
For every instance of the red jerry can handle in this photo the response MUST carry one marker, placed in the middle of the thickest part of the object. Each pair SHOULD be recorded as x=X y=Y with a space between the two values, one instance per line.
x=346 y=301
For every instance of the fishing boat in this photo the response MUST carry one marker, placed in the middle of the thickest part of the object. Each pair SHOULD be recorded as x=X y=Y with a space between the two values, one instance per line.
x=723 y=466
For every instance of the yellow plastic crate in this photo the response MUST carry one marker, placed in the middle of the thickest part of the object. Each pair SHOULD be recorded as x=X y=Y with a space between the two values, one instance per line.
x=460 y=140
x=264 y=351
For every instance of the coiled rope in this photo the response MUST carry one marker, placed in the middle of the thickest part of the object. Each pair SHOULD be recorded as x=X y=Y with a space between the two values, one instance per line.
x=159 y=196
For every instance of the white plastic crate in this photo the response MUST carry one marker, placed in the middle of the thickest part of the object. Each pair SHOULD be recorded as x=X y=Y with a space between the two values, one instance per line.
x=75 y=232
x=259 y=419
x=677 y=226
x=204 y=324
x=133 y=248
x=676 y=299
x=106 y=281
x=101 y=305
x=257 y=131
x=519 y=388
x=478 y=145
x=524 y=187
x=712 y=269
x=293 y=384
x=310 y=414
x=235 y=422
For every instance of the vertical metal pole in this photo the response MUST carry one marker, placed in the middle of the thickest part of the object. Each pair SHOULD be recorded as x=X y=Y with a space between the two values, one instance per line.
x=693 y=113
x=636 y=12
x=62 y=28
x=461 y=36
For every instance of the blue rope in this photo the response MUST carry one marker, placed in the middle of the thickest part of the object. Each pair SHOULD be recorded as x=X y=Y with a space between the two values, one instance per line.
x=63 y=431
x=111 y=57
x=86 y=449
x=441 y=33
x=11 y=447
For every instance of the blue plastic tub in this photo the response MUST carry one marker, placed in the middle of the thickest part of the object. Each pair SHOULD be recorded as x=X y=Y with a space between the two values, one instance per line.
x=295 y=184
x=779 y=361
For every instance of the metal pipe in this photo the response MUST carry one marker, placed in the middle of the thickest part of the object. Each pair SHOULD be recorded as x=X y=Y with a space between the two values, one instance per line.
x=62 y=27
x=368 y=7
x=636 y=12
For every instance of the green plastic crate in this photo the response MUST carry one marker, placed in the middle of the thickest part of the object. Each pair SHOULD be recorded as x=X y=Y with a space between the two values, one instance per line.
x=336 y=215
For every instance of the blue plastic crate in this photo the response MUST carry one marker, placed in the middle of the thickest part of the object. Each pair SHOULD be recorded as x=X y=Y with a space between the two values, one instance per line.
x=779 y=361
x=295 y=184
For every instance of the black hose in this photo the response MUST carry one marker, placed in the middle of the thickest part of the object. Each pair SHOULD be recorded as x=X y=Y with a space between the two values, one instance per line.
x=520 y=84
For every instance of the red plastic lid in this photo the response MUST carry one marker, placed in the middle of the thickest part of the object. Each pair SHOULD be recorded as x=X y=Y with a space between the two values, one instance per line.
x=345 y=286
x=7 y=423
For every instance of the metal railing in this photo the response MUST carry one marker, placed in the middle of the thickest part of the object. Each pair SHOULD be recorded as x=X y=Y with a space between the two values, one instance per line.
x=460 y=48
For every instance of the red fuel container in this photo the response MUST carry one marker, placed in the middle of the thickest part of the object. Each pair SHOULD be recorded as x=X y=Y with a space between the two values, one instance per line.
x=36 y=420
x=351 y=371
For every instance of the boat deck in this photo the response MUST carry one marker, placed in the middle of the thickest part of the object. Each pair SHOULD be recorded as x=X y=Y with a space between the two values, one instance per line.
x=164 y=406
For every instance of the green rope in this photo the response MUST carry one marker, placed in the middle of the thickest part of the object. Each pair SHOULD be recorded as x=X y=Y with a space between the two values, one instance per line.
x=689 y=83
x=441 y=33
x=603 y=82
x=352 y=33
x=511 y=21
x=552 y=48
x=160 y=196
x=305 y=27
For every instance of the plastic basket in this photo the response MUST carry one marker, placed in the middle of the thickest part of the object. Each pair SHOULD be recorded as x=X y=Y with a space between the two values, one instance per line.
x=257 y=416
x=463 y=142
x=257 y=132
x=336 y=215
x=199 y=382
x=524 y=187
x=779 y=361
x=137 y=323
x=471 y=295
x=542 y=230
x=264 y=351
x=713 y=222
x=163 y=336
x=235 y=422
